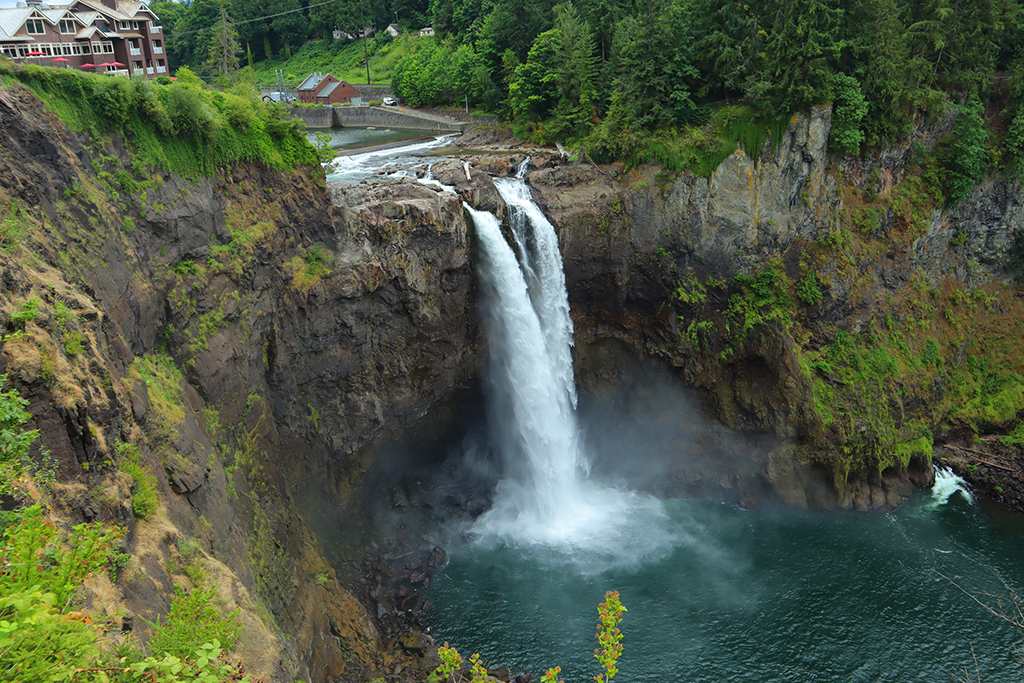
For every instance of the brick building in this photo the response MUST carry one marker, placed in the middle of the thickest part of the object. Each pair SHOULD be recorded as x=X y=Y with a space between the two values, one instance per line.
x=321 y=89
x=86 y=32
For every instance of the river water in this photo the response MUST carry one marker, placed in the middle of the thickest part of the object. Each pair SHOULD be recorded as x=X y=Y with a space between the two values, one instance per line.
x=754 y=595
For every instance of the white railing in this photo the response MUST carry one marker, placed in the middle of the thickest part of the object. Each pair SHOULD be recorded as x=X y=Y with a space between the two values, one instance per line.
x=161 y=69
x=118 y=72
x=155 y=29
x=138 y=71
x=149 y=70
x=135 y=51
x=157 y=50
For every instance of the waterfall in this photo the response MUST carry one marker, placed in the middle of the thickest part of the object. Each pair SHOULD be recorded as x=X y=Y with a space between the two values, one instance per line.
x=530 y=375
x=546 y=497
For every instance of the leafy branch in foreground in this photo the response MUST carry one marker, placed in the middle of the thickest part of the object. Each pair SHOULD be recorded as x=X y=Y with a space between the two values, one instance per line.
x=608 y=635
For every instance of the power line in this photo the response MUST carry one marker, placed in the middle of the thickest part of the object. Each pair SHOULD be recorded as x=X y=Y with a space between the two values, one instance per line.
x=249 y=21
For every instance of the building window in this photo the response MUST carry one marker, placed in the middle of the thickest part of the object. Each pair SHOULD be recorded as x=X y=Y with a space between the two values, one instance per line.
x=67 y=26
x=34 y=26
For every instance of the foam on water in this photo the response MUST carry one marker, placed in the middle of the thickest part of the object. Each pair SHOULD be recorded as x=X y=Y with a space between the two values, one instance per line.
x=947 y=484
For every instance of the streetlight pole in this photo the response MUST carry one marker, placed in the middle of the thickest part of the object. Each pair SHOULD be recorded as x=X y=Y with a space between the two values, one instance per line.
x=366 y=52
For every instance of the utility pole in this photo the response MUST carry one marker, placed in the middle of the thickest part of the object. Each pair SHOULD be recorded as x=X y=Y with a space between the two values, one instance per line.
x=366 y=52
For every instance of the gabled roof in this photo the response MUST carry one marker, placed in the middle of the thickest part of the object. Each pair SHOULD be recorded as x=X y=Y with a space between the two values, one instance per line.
x=104 y=10
x=310 y=83
x=132 y=9
x=87 y=17
x=328 y=89
x=54 y=15
x=87 y=32
x=12 y=19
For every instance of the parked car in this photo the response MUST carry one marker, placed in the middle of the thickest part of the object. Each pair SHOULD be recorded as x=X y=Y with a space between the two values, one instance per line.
x=390 y=102
x=279 y=97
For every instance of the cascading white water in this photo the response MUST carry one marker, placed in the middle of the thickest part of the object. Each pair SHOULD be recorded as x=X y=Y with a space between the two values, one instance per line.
x=529 y=398
x=546 y=497
x=542 y=265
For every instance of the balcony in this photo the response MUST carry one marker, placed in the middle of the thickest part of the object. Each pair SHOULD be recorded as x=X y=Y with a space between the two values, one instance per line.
x=161 y=69
x=155 y=29
x=158 y=50
x=134 y=51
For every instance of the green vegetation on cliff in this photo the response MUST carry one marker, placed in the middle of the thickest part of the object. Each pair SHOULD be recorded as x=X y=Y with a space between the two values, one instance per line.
x=43 y=636
x=179 y=127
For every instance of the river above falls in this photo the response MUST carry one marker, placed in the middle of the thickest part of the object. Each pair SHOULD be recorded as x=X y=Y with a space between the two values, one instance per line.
x=763 y=595
x=387 y=153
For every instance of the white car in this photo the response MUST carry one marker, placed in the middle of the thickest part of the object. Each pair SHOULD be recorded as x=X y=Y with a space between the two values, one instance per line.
x=390 y=102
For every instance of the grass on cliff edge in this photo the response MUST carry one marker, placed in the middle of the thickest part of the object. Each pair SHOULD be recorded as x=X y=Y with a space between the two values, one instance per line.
x=180 y=127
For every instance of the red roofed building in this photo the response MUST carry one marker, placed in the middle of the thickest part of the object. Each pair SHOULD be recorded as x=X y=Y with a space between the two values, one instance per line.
x=317 y=89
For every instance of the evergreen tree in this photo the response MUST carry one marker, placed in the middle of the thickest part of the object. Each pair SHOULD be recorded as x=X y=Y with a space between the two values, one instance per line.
x=968 y=159
x=875 y=53
x=849 y=110
x=730 y=50
x=222 y=59
x=655 y=70
x=802 y=53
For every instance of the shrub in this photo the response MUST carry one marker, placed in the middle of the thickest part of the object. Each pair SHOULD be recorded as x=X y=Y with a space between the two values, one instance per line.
x=115 y=98
x=192 y=621
x=144 y=491
x=188 y=111
x=14 y=441
x=73 y=343
x=808 y=290
x=26 y=313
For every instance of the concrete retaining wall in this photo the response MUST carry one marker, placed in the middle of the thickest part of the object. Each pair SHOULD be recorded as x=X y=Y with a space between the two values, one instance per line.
x=353 y=117
x=362 y=117
x=321 y=117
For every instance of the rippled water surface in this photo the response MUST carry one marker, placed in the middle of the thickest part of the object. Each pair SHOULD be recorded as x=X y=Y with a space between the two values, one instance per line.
x=762 y=595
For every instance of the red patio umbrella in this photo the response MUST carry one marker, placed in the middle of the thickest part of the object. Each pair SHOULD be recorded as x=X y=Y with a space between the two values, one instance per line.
x=34 y=53
x=60 y=59
x=115 y=64
x=86 y=66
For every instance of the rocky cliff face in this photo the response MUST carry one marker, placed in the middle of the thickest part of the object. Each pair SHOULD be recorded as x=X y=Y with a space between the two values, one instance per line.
x=242 y=335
